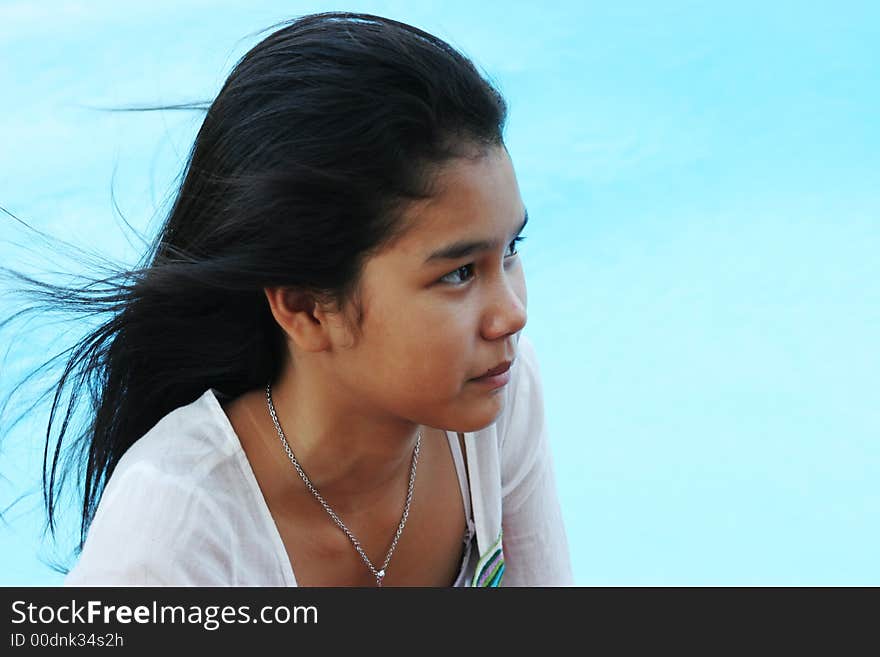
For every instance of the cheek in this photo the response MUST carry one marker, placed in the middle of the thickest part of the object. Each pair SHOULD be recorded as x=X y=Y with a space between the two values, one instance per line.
x=432 y=356
x=419 y=343
x=435 y=350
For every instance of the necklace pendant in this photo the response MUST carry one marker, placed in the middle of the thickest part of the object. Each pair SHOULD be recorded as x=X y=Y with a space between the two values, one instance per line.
x=380 y=575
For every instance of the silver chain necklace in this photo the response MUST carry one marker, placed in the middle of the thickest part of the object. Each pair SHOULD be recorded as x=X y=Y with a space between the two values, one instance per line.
x=380 y=573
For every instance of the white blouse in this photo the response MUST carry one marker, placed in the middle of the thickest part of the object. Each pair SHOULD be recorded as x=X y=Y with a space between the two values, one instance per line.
x=183 y=507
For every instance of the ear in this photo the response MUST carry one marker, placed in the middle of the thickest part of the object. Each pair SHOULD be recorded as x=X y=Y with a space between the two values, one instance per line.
x=310 y=326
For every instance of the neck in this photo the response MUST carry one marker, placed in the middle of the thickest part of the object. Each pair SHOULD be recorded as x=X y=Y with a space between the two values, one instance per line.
x=347 y=450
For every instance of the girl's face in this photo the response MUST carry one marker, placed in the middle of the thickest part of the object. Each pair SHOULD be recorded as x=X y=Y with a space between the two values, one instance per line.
x=433 y=322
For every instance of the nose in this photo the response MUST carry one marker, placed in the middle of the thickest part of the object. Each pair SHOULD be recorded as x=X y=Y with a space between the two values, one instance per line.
x=506 y=313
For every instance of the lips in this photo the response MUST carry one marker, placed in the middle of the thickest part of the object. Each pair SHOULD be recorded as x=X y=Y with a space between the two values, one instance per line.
x=498 y=369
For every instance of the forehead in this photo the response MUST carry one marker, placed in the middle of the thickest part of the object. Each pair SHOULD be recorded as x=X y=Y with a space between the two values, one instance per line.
x=475 y=200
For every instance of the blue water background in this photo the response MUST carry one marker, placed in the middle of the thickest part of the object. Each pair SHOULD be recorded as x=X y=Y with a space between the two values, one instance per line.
x=702 y=256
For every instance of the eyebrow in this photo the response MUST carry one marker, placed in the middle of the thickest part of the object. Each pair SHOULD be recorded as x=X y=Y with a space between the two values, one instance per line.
x=462 y=249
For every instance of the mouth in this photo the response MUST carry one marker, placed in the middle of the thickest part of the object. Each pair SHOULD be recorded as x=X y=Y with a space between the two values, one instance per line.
x=498 y=369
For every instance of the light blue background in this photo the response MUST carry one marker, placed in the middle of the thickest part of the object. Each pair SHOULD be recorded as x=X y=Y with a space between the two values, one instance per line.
x=701 y=258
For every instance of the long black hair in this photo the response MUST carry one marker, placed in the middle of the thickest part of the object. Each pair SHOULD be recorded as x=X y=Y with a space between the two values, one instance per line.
x=299 y=173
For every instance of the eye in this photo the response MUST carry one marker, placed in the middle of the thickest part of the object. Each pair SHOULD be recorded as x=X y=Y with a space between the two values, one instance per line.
x=516 y=240
x=470 y=266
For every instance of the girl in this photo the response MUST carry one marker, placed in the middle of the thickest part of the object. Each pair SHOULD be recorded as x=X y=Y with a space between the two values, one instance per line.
x=318 y=375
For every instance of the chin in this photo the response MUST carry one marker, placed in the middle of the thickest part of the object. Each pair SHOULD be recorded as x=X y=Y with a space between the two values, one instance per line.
x=480 y=419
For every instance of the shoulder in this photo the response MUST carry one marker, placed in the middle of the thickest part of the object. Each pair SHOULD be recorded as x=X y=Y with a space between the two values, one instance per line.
x=521 y=427
x=169 y=502
x=190 y=442
x=524 y=396
x=191 y=453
